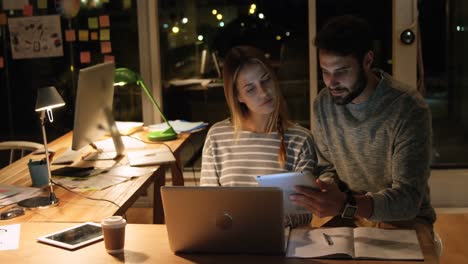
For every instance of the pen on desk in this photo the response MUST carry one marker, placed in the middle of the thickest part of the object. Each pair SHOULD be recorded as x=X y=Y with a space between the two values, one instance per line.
x=328 y=239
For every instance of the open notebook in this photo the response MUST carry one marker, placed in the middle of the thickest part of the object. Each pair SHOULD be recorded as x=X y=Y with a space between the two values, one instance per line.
x=354 y=243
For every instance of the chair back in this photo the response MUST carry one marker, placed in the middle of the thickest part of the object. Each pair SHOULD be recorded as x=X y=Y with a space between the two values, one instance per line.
x=19 y=147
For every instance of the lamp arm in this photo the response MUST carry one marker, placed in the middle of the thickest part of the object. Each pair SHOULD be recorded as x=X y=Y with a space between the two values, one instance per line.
x=52 y=196
x=150 y=96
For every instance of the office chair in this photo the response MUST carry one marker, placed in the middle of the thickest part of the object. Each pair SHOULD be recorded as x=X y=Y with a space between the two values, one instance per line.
x=23 y=147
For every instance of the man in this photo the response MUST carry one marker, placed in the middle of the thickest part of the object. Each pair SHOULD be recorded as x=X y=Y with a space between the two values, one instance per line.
x=373 y=135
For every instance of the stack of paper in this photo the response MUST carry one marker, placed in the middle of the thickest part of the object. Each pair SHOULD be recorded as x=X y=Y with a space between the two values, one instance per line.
x=180 y=126
x=127 y=128
x=6 y=191
x=12 y=194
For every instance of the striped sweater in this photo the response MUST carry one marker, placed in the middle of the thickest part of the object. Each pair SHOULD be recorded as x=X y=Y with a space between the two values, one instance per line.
x=228 y=161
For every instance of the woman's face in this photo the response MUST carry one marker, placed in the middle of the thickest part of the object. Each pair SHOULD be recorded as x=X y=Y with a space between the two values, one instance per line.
x=256 y=89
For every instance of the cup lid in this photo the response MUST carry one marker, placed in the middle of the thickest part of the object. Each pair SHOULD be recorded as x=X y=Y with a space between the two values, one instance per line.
x=113 y=221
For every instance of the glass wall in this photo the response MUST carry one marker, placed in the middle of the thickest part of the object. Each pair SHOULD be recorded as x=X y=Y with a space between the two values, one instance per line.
x=444 y=31
x=195 y=34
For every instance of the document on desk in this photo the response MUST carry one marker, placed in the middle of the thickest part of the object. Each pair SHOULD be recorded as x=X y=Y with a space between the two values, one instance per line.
x=7 y=192
x=129 y=143
x=17 y=194
x=9 y=237
x=354 y=243
x=127 y=128
x=150 y=157
x=179 y=126
x=104 y=180
x=192 y=81
x=67 y=157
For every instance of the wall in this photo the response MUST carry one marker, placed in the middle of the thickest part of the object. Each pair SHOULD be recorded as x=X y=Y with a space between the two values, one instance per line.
x=448 y=188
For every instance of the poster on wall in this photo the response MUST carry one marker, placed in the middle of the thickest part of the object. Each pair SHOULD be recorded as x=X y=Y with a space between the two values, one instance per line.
x=35 y=37
x=14 y=4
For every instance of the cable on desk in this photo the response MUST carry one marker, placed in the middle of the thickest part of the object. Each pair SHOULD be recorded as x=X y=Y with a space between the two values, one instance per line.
x=87 y=197
x=160 y=143
x=149 y=142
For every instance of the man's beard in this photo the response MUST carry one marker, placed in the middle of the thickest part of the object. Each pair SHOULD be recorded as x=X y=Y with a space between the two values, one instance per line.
x=358 y=88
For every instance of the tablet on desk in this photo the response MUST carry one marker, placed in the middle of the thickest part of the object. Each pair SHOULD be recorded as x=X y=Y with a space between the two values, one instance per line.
x=74 y=237
x=286 y=181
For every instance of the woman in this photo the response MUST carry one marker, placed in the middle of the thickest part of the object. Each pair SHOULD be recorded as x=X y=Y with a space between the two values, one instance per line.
x=258 y=139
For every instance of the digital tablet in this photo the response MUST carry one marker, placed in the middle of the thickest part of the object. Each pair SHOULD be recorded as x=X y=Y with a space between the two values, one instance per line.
x=74 y=237
x=286 y=181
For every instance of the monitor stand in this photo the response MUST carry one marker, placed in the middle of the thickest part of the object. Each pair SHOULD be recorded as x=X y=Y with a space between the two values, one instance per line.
x=98 y=154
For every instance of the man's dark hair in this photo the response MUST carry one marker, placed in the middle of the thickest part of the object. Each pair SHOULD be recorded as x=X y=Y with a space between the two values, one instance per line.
x=345 y=35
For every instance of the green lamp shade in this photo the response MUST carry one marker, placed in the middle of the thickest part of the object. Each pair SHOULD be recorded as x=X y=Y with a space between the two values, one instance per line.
x=124 y=76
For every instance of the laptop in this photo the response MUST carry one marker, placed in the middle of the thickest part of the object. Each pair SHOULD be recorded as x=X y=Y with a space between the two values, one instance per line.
x=224 y=219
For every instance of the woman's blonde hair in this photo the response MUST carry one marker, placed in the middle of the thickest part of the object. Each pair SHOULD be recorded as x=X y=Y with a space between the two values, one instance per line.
x=234 y=61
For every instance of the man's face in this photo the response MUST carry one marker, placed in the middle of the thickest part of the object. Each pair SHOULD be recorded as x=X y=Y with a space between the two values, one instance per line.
x=344 y=77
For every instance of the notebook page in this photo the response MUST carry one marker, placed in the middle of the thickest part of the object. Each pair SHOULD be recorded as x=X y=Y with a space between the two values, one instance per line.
x=378 y=243
x=311 y=243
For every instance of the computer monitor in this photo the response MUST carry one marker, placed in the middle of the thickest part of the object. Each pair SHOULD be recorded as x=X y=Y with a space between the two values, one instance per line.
x=93 y=111
x=207 y=65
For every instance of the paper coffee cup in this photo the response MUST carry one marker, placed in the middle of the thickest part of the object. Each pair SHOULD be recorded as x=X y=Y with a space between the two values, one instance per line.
x=113 y=228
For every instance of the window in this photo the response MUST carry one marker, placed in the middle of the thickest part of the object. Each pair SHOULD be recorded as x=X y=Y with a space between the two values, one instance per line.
x=191 y=32
x=444 y=27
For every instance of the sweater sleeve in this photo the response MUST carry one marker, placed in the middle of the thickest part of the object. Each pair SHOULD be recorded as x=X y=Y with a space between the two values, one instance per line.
x=410 y=169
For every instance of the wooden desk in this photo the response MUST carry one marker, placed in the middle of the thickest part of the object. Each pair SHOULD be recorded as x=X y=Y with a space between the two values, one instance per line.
x=453 y=230
x=76 y=208
x=145 y=244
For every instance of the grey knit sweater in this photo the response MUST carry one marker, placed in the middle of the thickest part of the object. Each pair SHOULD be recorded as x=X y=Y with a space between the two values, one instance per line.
x=381 y=147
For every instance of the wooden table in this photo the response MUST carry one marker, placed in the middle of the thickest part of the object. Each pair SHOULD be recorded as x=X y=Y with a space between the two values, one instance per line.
x=453 y=231
x=76 y=208
x=144 y=244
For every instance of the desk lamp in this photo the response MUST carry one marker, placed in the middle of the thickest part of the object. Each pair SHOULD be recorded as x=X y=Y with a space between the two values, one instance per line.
x=47 y=99
x=124 y=76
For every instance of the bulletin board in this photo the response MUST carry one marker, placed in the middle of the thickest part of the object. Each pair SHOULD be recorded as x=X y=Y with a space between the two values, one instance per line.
x=47 y=42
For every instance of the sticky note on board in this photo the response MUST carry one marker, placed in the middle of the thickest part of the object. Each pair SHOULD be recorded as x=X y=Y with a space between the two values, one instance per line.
x=93 y=23
x=42 y=4
x=14 y=4
x=70 y=35
x=109 y=58
x=85 y=57
x=83 y=35
x=94 y=35
x=104 y=21
x=27 y=10
x=127 y=4
x=3 y=19
x=2 y=62
x=104 y=34
x=106 y=47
